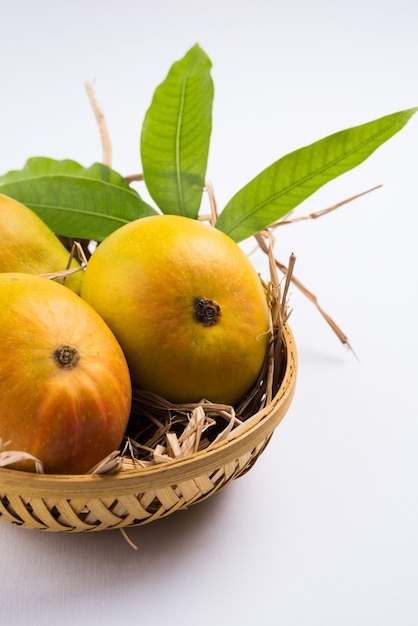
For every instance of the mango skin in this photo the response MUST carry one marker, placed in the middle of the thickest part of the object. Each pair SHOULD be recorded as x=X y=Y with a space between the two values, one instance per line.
x=69 y=413
x=28 y=245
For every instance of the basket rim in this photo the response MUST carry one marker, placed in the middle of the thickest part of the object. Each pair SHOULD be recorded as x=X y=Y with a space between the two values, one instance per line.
x=133 y=478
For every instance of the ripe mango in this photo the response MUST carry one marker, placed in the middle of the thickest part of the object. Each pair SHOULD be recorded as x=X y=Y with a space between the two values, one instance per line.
x=185 y=304
x=28 y=245
x=65 y=385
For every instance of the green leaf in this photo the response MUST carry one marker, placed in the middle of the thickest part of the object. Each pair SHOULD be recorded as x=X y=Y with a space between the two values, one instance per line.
x=293 y=178
x=176 y=133
x=74 y=201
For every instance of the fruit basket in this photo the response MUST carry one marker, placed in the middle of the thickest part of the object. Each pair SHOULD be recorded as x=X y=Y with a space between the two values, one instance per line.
x=89 y=212
x=137 y=495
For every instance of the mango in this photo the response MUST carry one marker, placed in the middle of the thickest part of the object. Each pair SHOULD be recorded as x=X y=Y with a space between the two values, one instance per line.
x=28 y=245
x=185 y=304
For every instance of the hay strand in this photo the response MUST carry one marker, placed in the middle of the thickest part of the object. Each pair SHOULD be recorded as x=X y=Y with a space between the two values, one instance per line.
x=101 y=123
x=10 y=457
x=322 y=212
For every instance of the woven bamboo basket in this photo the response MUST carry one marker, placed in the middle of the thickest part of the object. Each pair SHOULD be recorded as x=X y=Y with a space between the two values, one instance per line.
x=138 y=495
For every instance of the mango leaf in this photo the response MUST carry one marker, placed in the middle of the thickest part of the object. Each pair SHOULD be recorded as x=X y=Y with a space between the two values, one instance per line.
x=176 y=133
x=74 y=201
x=286 y=183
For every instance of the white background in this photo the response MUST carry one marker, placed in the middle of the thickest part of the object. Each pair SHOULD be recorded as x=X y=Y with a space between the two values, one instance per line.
x=323 y=530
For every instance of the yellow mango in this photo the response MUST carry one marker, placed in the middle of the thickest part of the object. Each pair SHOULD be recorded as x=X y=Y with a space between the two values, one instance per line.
x=28 y=245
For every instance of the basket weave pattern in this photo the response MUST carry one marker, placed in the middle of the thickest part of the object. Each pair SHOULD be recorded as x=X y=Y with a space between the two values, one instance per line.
x=137 y=495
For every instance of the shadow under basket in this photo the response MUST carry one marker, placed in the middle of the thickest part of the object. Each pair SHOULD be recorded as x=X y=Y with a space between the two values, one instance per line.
x=137 y=495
